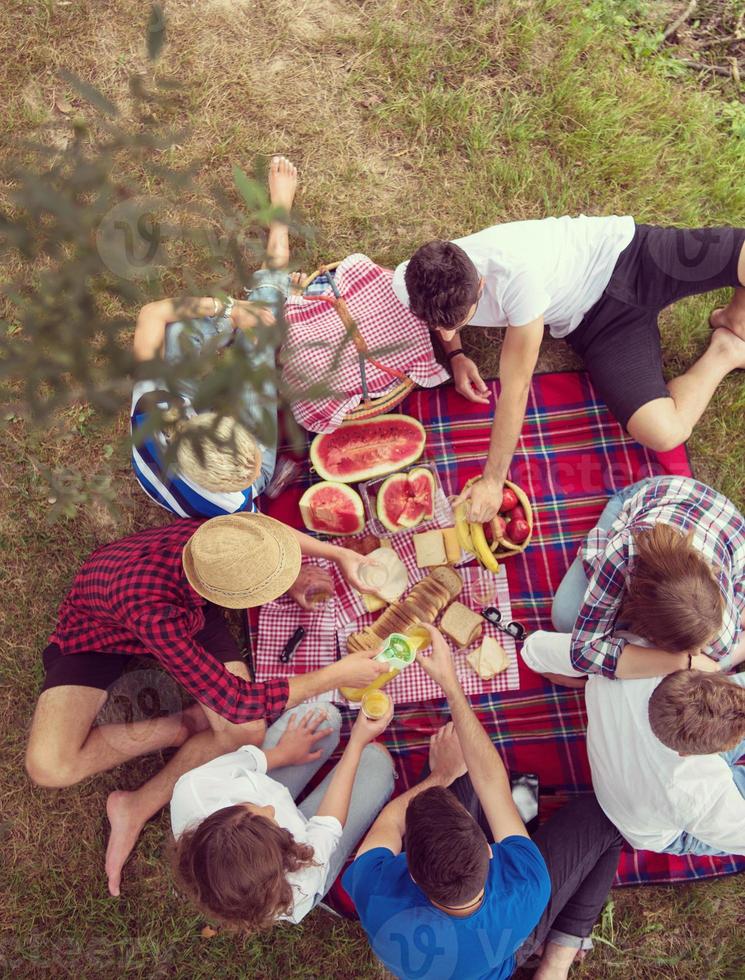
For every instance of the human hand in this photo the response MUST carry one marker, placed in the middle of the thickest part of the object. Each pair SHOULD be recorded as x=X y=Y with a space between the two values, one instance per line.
x=438 y=664
x=350 y=564
x=445 y=755
x=247 y=316
x=700 y=661
x=468 y=381
x=484 y=498
x=358 y=669
x=366 y=729
x=313 y=586
x=295 y=745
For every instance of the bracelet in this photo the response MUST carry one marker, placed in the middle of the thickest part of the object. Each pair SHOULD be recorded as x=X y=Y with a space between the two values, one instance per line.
x=228 y=308
x=454 y=353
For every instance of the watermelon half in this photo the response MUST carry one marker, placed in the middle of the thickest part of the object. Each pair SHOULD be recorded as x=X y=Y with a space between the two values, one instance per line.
x=369 y=448
x=332 y=508
x=406 y=499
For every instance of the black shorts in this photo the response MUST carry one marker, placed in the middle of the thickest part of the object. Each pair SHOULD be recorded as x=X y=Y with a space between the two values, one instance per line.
x=101 y=670
x=619 y=338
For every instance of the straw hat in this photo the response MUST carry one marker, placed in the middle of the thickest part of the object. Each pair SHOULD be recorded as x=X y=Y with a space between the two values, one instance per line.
x=216 y=453
x=241 y=560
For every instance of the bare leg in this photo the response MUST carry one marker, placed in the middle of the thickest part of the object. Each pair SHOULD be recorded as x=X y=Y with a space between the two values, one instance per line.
x=65 y=747
x=732 y=316
x=665 y=423
x=555 y=962
x=129 y=812
x=282 y=187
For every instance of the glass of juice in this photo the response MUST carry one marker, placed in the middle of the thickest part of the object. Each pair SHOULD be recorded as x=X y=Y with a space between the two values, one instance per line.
x=375 y=705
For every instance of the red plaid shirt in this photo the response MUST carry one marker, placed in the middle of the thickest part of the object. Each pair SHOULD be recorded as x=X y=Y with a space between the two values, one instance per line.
x=132 y=597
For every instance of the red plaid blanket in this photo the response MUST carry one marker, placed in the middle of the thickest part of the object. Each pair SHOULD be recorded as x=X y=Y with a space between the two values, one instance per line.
x=572 y=456
x=317 y=348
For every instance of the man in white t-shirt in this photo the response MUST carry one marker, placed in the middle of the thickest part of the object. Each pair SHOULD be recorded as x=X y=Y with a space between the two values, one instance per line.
x=599 y=282
x=663 y=752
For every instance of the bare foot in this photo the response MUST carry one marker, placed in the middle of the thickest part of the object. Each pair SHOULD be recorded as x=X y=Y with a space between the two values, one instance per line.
x=126 y=826
x=282 y=182
x=729 y=346
x=721 y=319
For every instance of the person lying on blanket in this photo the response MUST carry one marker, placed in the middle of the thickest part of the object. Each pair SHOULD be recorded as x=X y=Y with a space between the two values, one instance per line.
x=245 y=853
x=666 y=562
x=230 y=468
x=156 y=595
x=663 y=751
x=599 y=282
x=473 y=896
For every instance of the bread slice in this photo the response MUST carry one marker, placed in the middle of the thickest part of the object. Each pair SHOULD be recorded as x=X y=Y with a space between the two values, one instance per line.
x=489 y=659
x=372 y=603
x=449 y=578
x=461 y=624
x=430 y=548
x=452 y=545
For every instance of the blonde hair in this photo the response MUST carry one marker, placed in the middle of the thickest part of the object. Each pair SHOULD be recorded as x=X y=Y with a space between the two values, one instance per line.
x=218 y=453
x=672 y=596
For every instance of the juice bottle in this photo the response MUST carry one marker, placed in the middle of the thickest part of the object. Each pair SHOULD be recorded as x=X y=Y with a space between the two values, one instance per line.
x=398 y=652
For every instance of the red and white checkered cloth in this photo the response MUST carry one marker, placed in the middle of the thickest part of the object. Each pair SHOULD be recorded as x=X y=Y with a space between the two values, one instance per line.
x=328 y=628
x=318 y=351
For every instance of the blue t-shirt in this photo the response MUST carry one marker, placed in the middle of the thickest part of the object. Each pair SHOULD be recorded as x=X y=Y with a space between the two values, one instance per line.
x=417 y=941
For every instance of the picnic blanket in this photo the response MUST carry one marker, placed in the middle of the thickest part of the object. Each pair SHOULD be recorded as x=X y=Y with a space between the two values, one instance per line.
x=318 y=356
x=571 y=457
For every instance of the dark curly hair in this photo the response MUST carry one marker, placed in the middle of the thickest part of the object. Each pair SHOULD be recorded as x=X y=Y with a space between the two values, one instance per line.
x=234 y=867
x=443 y=284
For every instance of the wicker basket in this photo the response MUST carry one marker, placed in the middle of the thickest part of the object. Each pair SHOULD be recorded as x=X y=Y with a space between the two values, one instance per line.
x=522 y=499
x=377 y=404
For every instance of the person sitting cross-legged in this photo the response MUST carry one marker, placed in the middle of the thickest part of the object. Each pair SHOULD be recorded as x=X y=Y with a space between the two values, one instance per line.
x=245 y=853
x=218 y=464
x=472 y=896
x=598 y=282
x=154 y=597
x=664 y=751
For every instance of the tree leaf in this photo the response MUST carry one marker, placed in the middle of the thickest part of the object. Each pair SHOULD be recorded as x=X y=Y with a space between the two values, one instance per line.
x=89 y=93
x=250 y=190
x=156 y=31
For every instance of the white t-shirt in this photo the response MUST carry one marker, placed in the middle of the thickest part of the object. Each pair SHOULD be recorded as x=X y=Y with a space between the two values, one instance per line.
x=556 y=268
x=647 y=790
x=240 y=777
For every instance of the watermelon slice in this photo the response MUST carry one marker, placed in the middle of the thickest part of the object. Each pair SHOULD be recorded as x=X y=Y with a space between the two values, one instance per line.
x=332 y=508
x=373 y=447
x=406 y=499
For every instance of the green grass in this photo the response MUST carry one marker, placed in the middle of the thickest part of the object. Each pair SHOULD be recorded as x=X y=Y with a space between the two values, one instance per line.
x=433 y=117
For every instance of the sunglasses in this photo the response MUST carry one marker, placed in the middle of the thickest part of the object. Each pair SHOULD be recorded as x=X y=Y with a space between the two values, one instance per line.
x=514 y=629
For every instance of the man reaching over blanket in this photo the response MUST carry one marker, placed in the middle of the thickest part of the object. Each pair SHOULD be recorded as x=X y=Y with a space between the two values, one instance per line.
x=601 y=283
x=155 y=594
x=473 y=896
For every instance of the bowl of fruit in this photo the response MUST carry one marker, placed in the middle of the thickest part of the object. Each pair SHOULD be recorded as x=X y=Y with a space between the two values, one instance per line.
x=512 y=528
x=508 y=533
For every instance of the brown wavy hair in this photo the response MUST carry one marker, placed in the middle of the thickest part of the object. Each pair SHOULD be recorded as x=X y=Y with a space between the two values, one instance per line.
x=698 y=713
x=672 y=596
x=234 y=867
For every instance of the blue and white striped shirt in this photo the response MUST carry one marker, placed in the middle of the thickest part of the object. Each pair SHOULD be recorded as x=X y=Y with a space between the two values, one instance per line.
x=176 y=493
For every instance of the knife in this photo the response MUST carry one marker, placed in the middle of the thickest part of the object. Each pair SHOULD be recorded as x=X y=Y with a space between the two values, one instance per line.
x=292 y=644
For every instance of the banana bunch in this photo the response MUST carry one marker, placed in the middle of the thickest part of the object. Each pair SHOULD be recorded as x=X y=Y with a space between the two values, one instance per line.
x=472 y=539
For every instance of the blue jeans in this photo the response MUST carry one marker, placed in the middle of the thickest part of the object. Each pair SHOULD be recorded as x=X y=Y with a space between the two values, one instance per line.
x=570 y=595
x=373 y=784
x=686 y=843
x=271 y=288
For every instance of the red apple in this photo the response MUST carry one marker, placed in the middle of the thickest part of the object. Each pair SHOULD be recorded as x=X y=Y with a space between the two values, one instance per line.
x=518 y=514
x=509 y=499
x=518 y=531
